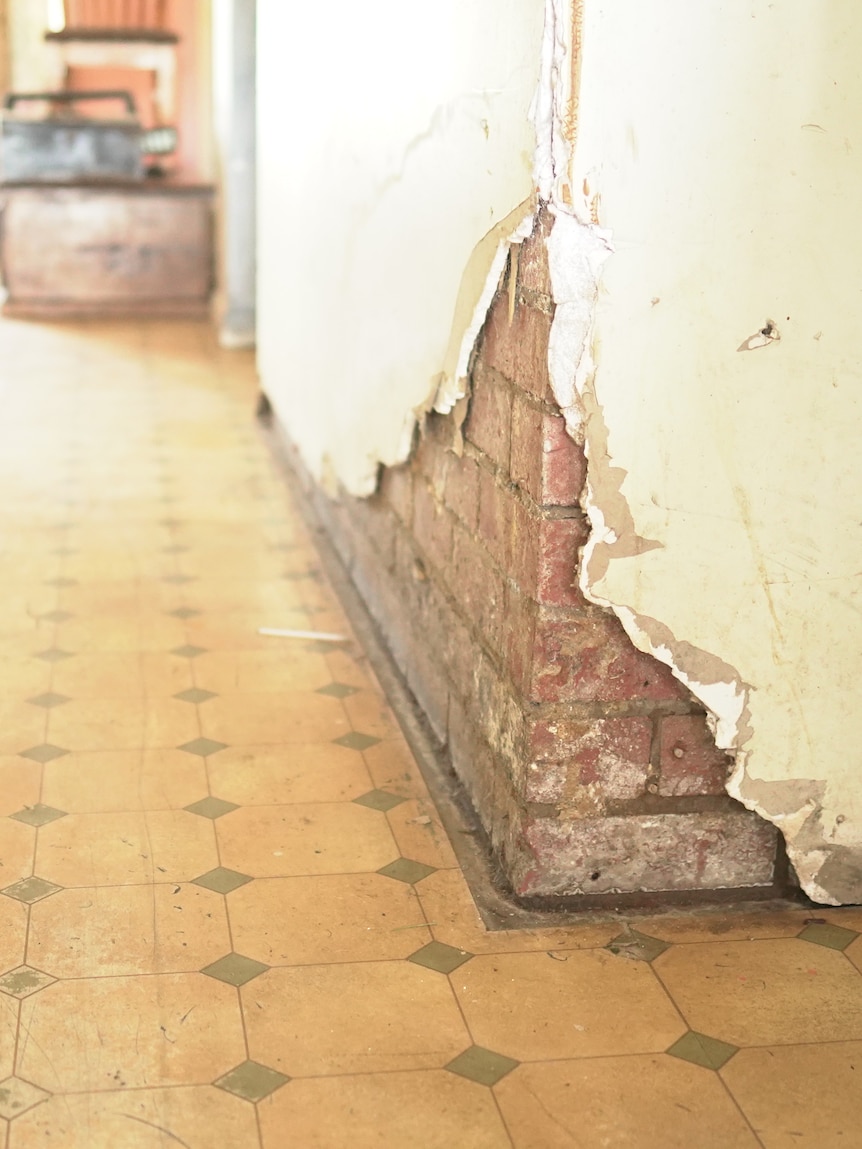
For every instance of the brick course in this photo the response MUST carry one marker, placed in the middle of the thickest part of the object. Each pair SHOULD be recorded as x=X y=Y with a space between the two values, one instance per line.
x=581 y=755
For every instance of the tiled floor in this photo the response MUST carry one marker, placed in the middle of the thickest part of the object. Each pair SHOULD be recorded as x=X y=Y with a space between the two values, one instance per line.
x=230 y=918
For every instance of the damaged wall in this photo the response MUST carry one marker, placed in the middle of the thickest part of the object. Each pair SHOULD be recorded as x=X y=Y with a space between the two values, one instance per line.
x=388 y=152
x=721 y=144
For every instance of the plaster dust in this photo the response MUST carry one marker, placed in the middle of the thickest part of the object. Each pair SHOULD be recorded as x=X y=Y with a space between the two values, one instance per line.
x=724 y=487
x=396 y=157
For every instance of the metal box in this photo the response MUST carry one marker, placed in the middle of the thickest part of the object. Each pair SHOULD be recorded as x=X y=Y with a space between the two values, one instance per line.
x=69 y=147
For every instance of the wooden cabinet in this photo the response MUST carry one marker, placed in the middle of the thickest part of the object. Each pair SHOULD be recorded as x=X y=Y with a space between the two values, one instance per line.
x=92 y=250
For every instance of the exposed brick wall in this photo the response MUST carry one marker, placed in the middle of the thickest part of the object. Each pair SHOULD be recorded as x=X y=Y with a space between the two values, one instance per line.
x=591 y=767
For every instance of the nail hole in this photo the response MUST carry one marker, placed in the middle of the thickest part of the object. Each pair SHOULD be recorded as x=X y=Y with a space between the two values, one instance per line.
x=595 y=875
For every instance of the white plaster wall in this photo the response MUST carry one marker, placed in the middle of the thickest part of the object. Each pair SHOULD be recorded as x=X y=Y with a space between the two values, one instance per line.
x=721 y=144
x=393 y=139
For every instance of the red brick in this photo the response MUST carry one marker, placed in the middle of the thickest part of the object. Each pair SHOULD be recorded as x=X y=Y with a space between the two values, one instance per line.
x=479 y=587
x=590 y=658
x=543 y=559
x=461 y=489
x=519 y=629
x=432 y=526
x=518 y=349
x=545 y=460
x=645 y=853
x=495 y=513
x=691 y=763
x=489 y=422
x=396 y=489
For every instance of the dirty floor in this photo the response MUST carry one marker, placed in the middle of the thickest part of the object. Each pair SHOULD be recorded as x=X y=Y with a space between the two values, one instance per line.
x=229 y=916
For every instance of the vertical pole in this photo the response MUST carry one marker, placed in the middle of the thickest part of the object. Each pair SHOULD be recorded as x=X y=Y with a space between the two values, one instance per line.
x=239 y=192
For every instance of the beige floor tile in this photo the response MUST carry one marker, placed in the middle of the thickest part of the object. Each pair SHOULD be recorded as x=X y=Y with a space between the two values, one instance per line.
x=124 y=930
x=199 y=1117
x=22 y=725
x=284 y=841
x=123 y=675
x=369 y=713
x=850 y=917
x=454 y=919
x=281 y=775
x=644 y=1102
x=239 y=630
x=393 y=767
x=330 y=918
x=130 y=1033
x=273 y=598
x=17 y=849
x=13 y=933
x=262 y=671
x=577 y=1003
x=854 y=953
x=723 y=925
x=139 y=631
x=126 y=849
x=21 y=678
x=352 y=667
x=417 y=829
x=231 y=562
x=122 y=724
x=804 y=1096
x=124 y=780
x=432 y=1109
x=765 y=992
x=288 y=718
x=364 y=1018
x=20 y=782
x=8 y=1034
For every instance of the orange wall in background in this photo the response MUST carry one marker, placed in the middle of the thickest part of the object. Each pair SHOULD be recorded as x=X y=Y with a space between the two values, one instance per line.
x=186 y=19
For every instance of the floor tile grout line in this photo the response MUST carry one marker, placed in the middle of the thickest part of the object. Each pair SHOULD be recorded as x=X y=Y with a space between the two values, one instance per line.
x=739 y=1107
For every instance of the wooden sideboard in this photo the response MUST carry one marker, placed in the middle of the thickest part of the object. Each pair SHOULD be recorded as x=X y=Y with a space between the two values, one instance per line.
x=96 y=249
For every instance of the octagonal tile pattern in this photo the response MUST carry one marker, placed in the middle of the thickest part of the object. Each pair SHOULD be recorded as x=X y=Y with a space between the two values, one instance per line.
x=229 y=912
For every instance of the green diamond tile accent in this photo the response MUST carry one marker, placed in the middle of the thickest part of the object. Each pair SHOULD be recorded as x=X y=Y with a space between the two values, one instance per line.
x=406 y=870
x=58 y=616
x=54 y=654
x=833 y=937
x=48 y=700
x=356 y=741
x=338 y=690
x=38 y=815
x=44 y=753
x=700 y=1049
x=188 y=651
x=235 y=969
x=222 y=881
x=640 y=947
x=184 y=612
x=178 y=579
x=211 y=808
x=17 y=1096
x=379 y=800
x=31 y=890
x=440 y=957
x=195 y=695
x=24 y=981
x=202 y=747
x=482 y=1065
x=252 y=1081
x=61 y=582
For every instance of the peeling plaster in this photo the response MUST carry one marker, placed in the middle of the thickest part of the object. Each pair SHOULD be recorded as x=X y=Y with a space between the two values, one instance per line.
x=723 y=491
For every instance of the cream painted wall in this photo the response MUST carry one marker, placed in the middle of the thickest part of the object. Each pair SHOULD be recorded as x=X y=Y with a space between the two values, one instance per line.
x=393 y=139
x=723 y=140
